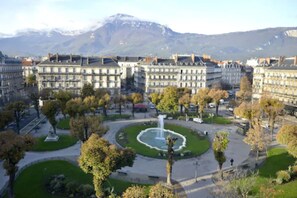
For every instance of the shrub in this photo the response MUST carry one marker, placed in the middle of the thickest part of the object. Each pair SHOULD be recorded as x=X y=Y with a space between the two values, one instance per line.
x=134 y=192
x=56 y=183
x=86 y=190
x=71 y=187
x=282 y=176
x=159 y=191
x=294 y=171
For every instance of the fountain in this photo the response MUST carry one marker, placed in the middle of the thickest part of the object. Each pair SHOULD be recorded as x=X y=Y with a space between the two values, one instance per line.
x=156 y=137
x=160 y=133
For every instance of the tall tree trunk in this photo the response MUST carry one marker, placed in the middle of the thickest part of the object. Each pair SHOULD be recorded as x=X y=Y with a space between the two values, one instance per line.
x=257 y=156
x=157 y=111
x=197 y=109
x=55 y=132
x=272 y=127
x=133 y=109
x=217 y=109
x=169 y=171
x=221 y=171
x=181 y=109
x=11 y=185
x=104 y=111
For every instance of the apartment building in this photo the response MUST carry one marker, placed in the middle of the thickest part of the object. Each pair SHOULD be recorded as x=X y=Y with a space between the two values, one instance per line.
x=71 y=72
x=127 y=65
x=11 y=78
x=29 y=67
x=193 y=72
x=277 y=78
x=232 y=72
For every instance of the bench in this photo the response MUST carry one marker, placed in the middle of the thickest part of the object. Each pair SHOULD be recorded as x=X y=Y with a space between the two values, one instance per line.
x=153 y=177
x=122 y=173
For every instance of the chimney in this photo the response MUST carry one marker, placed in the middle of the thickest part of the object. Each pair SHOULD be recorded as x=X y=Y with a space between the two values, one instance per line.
x=88 y=60
x=268 y=61
x=193 y=58
x=281 y=60
x=102 y=61
x=57 y=57
x=295 y=60
x=156 y=60
x=206 y=57
x=49 y=56
x=70 y=57
x=175 y=57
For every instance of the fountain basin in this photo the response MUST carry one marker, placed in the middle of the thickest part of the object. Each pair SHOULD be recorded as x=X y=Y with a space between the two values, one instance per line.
x=150 y=138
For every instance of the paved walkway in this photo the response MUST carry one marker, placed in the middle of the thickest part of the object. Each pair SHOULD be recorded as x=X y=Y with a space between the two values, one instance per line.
x=183 y=170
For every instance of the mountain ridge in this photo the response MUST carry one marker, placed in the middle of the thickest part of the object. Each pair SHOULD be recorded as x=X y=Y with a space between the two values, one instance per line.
x=123 y=34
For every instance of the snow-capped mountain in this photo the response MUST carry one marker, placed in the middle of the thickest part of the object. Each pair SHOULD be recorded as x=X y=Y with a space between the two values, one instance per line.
x=123 y=34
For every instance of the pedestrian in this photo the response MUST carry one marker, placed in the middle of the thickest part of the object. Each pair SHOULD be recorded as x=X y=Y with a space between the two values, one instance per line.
x=231 y=161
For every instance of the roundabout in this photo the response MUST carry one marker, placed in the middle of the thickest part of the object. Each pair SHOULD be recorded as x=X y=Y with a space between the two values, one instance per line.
x=191 y=144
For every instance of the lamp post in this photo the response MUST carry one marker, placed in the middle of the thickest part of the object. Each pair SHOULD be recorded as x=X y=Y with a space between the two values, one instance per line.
x=196 y=164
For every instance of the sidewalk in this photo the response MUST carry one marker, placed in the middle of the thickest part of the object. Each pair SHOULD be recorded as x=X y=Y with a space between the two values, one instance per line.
x=183 y=170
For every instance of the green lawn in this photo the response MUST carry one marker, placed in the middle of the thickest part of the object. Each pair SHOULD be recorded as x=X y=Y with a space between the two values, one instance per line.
x=278 y=159
x=217 y=120
x=63 y=142
x=31 y=182
x=64 y=124
x=196 y=144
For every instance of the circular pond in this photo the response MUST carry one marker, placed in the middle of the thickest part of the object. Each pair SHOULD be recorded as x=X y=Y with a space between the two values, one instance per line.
x=156 y=138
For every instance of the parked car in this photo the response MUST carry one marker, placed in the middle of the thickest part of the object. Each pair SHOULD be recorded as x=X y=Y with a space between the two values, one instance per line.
x=198 y=120
x=211 y=105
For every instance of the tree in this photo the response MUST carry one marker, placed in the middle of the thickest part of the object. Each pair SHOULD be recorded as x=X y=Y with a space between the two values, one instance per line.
x=236 y=185
x=83 y=126
x=31 y=80
x=135 y=192
x=183 y=97
x=87 y=90
x=159 y=191
x=245 y=92
x=50 y=109
x=34 y=96
x=288 y=135
x=75 y=107
x=256 y=137
x=155 y=98
x=272 y=108
x=100 y=158
x=200 y=99
x=120 y=100
x=170 y=141
x=63 y=97
x=217 y=85
x=12 y=150
x=216 y=96
x=17 y=109
x=103 y=102
x=169 y=100
x=135 y=98
x=248 y=111
x=185 y=101
x=46 y=94
x=5 y=118
x=219 y=145
x=91 y=103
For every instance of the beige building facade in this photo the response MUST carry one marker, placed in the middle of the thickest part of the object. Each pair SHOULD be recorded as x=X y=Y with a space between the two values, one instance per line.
x=279 y=80
x=71 y=72
x=193 y=72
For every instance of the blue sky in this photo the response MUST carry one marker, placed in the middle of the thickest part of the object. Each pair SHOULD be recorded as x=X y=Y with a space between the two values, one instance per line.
x=195 y=16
